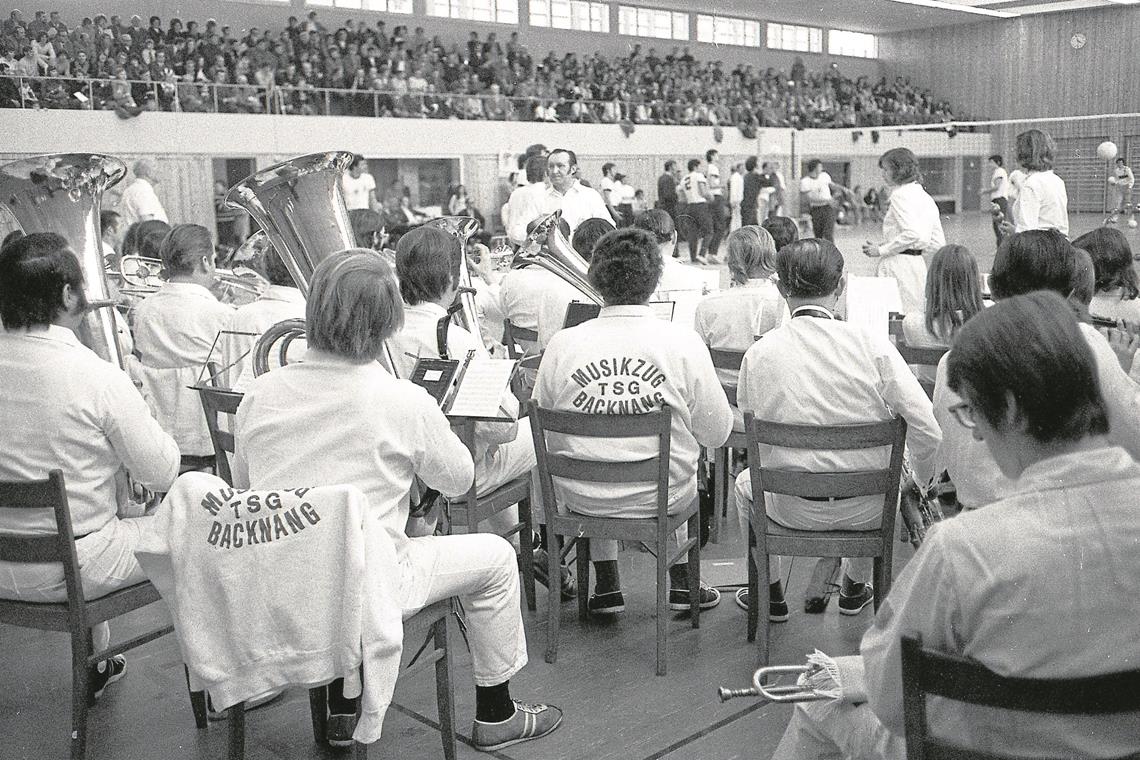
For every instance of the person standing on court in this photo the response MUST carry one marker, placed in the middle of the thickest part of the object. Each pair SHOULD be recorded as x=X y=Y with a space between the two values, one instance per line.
x=667 y=190
x=815 y=193
x=699 y=224
x=750 y=198
x=998 y=192
x=718 y=204
x=910 y=228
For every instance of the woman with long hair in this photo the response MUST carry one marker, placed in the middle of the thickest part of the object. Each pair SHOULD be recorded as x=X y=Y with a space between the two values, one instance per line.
x=953 y=295
x=1042 y=200
x=1116 y=292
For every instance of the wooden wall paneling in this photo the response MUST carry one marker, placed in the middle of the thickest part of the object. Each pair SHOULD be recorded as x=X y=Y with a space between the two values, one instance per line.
x=1084 y=173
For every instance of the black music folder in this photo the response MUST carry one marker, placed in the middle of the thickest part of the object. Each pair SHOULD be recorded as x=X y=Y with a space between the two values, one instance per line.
x=473 y=387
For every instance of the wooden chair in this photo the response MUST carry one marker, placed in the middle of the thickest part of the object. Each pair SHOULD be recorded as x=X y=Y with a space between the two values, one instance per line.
x=77 y=615
x=216 y=402
x=722 y=457
x=653 y=531
x=928 y=357
x=927 y=672
x=522 y=384
x=767 y=537
x=469 y=510
x=512 y=334
x=429 y=625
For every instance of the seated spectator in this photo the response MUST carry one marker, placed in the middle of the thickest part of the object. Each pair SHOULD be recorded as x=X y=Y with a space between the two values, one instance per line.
x=816 y=370
x=783 y=230
x=661 y=364
x=1117 y=293
x=985 y=583
x=953 y=296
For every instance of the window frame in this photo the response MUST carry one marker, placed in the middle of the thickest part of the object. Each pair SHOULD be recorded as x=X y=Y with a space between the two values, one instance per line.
x=813 y=34
x=730 y=30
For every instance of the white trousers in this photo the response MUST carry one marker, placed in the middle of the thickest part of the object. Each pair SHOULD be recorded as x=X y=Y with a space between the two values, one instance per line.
x=106 y=563
x=482 y=571
x=606 y=549
x=829 y=730
x=909 y=272
x=854 y=516
x=502 y=464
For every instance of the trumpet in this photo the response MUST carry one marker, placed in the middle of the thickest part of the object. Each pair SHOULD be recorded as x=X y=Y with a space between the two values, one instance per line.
x=144 y=276
x=777 y=692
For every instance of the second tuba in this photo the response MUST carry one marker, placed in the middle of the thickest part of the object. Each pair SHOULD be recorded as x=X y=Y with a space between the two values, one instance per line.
x=548 y=248
x=62 y=193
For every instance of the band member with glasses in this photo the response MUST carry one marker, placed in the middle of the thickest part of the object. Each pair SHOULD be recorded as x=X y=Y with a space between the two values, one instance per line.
x=1056 y=553
x=340 y=417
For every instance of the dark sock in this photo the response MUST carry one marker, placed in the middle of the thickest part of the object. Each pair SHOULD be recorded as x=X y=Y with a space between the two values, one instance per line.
x=540 y=543
x=338 y=704
x=776 y=592
x=493 y=704
x=679 y=576
x=850 y=587
x=606 y=577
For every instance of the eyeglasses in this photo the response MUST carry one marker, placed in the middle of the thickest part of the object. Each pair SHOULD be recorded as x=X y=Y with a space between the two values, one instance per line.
x=964 y=413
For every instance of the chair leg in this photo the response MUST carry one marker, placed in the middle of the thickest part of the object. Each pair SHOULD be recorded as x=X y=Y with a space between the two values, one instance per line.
x=753 y=585
x=763 y=605
x=662 y=606
x=526 y=548
x=197 y=703
x=319 y=710
x=237 y=732
x=695 y=571
x=721 y=461
x=879 y=583
x=554 y=593
x=81 y=696
x=583 y=563
x=359 y=751
x=444 y=695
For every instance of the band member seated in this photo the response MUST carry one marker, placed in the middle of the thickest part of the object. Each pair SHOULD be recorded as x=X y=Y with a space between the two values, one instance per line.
x=675 y=276
x=817 y=370
x=280 y=301
x=65 y=408
x=1025 y=262
x=340 y=417
x=783 y=230
x=523 y=289
x=671 y=358
x=552 y=309
x=1057 y=553
x=1117 y=290
x=733 y=319
x=175 y=329
x=368 y=228
x=427 y=264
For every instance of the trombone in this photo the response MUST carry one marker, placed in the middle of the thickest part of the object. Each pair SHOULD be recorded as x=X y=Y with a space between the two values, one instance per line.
x=143 y=276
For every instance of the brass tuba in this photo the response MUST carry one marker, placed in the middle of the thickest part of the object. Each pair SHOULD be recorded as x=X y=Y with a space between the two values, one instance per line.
x=61 y=193
x=556 y=256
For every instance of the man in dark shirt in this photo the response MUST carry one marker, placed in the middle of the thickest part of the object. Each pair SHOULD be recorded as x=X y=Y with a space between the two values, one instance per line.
x=752 y=185
x=667 y=190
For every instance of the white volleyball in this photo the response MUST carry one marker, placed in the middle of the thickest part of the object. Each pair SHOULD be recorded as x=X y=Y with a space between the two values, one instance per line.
x=1106 y=150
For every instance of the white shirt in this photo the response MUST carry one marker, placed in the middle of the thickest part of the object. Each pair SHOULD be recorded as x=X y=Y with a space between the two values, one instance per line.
x=736 y=189
x=140 y=203
x=713 y=174
x=328 y=421
x=984 y=586
x=1111 y=304
x=607 y=185
x=578 y=204
x=693 y=187
x=1123 y=177
x=1042 y=204
x=912 y=221
x=522 y=292
x=972 y=468
x=818 y=371
x=276 y=304
x=818 y=189
x=732 y=319
x=357 y=190
x=66 y=408
x=999 y=184
x=525 y=200
x=629 y=362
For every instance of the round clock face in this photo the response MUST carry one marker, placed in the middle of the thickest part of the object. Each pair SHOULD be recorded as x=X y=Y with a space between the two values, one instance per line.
x=1077 y=41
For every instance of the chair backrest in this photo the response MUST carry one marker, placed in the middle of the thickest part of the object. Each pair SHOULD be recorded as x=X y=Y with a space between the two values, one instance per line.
x=927 y=672
x=216 y=402
x=512 y=334
x=894 y=324
x=822 y=485
x=655 y=469
x=57 y=547
x=723 y=358
x=928 y=357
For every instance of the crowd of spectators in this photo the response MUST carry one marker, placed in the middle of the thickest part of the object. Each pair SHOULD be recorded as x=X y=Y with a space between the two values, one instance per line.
x=357 y=69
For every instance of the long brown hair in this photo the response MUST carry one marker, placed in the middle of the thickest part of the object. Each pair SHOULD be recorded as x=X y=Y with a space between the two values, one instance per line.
x=953 y=291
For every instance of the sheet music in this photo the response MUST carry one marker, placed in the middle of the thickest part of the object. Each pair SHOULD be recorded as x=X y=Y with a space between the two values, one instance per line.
x=480 y=392
x=870 y=300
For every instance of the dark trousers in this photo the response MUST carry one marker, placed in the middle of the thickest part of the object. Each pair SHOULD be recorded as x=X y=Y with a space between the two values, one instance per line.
x=748 y=215
x=1003 y=204
x=699 y=227
x=718 y=210
x=823 y=222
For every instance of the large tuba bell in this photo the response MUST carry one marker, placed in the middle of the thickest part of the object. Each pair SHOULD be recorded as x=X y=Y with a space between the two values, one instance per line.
x=61 y=193
x=556 y=255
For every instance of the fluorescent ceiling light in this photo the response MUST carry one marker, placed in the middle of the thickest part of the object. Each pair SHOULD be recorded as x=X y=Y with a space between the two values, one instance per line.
x=950 y=6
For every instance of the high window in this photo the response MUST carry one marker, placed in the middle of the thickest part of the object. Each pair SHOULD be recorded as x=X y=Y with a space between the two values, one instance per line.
x=651 y=22
x=725 y=30
x=854 y=44
x=498 y=11
x=804 y=39
x=386 y=6
x=581 y=15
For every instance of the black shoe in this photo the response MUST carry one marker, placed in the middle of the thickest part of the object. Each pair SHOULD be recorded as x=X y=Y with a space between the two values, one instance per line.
x=339 y=729
x=853 y=605
x=106 y=673
x=679 y=598
x=609 y=603
x=569 y=585
x=777 y=610
x=816 y=605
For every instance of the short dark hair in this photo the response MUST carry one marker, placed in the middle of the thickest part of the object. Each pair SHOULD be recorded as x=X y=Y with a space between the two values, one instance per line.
x=183 y=247
x=694 y=163
x=901 y=164
x=33 y=271
x=607 y=167
x=275 y=270
x=1035 y=150
x=1112 y=260
x=108 y=219
x=750 y=163
x=783 y=230
x=145 y=238
x=657 y=223
x=589 y=232
x=809 y=268
x=670 y=164
x=535 y=169
x=365 y=224
x=710 y=153
x=353 y=305
x=812 y=164
x=625 y=267
x=12 y=237
x=1031 y=348
x=571 y=154
x=427 y=264
x=1032 y=260
x=997 y=159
